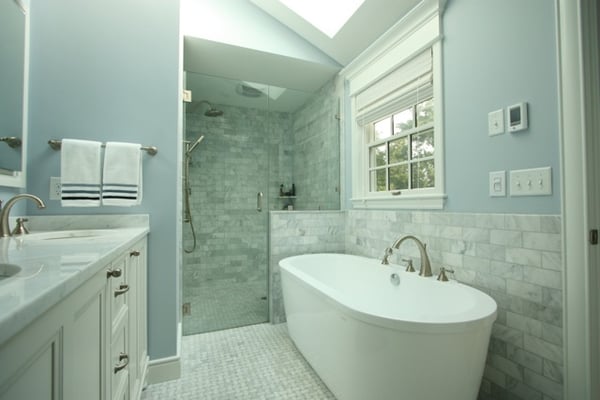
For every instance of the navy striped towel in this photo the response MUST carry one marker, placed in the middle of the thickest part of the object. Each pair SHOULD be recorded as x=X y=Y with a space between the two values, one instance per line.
x=122 y=177
x=80 y=169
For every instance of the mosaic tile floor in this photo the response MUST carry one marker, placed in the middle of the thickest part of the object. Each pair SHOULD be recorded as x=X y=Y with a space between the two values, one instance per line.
x=257 y=362
x=224 y=305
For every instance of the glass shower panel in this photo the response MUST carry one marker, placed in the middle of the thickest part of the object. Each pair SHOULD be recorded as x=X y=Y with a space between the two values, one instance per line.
x=225 y=277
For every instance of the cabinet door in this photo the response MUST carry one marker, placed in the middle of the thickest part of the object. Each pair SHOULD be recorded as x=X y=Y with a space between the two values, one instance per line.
x=84 y=341
x=38 y=378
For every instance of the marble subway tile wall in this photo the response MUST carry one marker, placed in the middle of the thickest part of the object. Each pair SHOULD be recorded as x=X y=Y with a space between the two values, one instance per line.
x=316 y=160
x=299 y=232
x=514 y=258
x=243 y=153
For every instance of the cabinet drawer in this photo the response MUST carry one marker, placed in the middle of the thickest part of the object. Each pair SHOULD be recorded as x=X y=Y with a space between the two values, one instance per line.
x=119 y=361
x=118 y=290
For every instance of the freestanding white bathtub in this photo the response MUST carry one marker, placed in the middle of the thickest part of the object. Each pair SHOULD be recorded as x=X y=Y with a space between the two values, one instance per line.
x=369 y=339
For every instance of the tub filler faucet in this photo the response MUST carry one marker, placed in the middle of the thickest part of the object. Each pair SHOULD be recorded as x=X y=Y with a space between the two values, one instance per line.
x=425 y=269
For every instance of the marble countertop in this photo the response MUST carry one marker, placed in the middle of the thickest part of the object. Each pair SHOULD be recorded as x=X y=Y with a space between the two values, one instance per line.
x=53 y=265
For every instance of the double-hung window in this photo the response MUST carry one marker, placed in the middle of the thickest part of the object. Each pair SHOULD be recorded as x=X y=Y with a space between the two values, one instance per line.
x=397 y=138
x=401 y=149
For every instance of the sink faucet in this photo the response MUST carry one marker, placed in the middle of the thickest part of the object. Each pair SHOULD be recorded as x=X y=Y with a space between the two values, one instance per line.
x=4 y=228
x=425 y=264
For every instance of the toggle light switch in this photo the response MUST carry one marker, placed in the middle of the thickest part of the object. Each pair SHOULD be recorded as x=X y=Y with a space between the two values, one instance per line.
x=531 y=182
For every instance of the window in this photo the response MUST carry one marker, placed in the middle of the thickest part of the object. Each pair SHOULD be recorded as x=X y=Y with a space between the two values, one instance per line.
x=396 y=112
x=401 y=150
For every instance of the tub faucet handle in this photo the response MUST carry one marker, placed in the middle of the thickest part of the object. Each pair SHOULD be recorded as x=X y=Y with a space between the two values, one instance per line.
x=409 y=265
x=442 y=275
x=386 y=255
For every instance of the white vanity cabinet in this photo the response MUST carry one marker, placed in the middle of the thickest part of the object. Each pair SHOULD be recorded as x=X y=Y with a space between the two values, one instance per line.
x=91 y=345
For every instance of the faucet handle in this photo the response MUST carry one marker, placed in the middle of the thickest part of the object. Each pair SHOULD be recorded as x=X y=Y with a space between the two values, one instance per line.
x=20 y=229
x=388 y=252
x=409 y=265
x=442 y=275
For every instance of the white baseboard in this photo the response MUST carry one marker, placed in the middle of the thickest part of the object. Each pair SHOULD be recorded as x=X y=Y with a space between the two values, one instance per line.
x=168 y=368
x=164 y=369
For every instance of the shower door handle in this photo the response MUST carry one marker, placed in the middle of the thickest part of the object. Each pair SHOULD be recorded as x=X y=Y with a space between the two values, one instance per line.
x=259 y=198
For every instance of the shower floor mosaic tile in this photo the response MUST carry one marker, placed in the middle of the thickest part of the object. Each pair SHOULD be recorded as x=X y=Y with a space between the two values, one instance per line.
x=224 y=305
x=257 y=362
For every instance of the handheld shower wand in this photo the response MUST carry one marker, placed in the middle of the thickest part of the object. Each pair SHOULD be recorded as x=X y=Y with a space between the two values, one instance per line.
x=191 y=148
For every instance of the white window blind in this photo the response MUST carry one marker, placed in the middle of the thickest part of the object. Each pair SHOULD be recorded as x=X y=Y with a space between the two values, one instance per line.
x=403 y=87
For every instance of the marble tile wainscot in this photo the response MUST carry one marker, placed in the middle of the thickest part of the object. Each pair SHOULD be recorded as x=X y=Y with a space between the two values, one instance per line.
x=299 y=232
x=514 y=258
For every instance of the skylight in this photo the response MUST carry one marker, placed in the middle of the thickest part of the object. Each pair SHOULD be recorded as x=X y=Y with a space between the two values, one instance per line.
x=328 y=16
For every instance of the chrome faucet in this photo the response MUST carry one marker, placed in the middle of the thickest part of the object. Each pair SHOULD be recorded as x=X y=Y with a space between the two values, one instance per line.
x=4 y=212
x=425 y=264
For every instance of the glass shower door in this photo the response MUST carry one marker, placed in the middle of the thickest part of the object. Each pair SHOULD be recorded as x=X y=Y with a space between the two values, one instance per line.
x=225 y=277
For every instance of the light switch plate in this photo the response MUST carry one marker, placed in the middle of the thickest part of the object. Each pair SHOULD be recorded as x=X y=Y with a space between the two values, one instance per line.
x=496 y=122
x=497 y=184
x=531 y=182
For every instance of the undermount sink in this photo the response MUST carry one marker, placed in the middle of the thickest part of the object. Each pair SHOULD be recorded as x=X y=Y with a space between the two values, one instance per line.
x=70 y=234
x=8 y=270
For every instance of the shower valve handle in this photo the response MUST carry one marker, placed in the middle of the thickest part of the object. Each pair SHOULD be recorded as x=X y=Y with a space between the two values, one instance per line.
x=259 y=198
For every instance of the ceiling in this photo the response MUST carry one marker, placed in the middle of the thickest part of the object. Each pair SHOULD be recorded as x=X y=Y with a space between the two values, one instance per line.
x=369 y=22
x=221 y=91
x=263 y=41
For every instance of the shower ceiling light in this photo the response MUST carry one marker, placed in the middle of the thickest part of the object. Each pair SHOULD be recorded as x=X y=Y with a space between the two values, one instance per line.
x=328 y=16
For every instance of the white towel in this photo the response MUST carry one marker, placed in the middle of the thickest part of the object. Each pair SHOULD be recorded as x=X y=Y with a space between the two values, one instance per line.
x=122 y=178
x=80 y=169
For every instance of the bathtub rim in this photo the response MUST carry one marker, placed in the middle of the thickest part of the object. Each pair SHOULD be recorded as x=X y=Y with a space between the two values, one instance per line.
x=350 y=309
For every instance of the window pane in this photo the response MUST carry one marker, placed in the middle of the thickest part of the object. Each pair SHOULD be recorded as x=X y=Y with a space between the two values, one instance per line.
x=399 y=150
x=383 y=129
x=403 y=121
x=422 y=144
x=399 y=177
x=377 y=156
x=377 y=183
x=425 y=112
x=422 y=174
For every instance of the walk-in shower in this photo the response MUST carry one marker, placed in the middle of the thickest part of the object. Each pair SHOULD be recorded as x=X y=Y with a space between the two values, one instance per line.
x=258 y=143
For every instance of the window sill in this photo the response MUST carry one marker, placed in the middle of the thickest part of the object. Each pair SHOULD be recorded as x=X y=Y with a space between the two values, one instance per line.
x=423 y=202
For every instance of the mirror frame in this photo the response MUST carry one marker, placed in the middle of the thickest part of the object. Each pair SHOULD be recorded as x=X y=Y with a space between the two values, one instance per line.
x=19 y=179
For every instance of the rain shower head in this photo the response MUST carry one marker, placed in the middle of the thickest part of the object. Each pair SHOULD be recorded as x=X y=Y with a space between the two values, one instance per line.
x=211 y=112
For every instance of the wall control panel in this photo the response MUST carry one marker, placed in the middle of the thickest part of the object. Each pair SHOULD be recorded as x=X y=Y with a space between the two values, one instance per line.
x=531 y=182
x=517 y=117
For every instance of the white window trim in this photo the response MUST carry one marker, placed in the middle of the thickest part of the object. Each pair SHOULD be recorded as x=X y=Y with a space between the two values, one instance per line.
x=418 y=31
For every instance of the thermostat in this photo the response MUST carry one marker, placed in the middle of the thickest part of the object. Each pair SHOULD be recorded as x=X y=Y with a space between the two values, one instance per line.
x=517 y=117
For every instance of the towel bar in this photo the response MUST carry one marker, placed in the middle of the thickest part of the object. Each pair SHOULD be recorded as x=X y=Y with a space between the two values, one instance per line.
x=56 y=144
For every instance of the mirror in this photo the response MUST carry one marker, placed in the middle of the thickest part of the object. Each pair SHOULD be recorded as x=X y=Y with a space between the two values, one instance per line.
x=13 y=91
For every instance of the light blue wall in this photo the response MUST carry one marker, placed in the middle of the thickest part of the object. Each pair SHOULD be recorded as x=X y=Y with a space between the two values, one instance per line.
x=497 y=53
x=6 y=193
x=108 y=70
